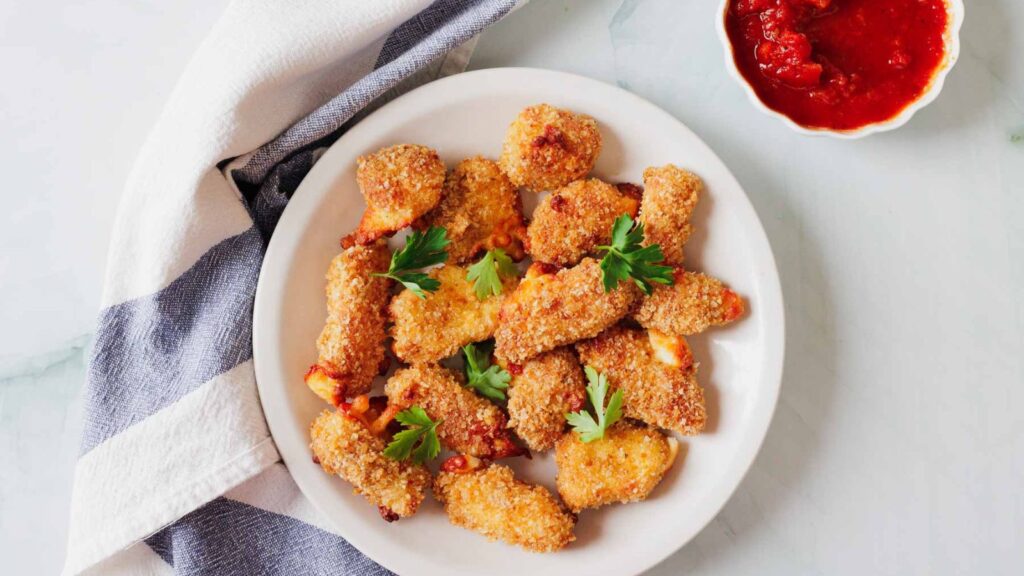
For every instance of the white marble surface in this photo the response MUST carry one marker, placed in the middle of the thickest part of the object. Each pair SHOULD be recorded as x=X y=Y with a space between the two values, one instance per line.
x=898 y=444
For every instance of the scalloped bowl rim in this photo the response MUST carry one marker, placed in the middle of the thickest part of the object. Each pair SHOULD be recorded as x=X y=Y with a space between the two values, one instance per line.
x=956 y=20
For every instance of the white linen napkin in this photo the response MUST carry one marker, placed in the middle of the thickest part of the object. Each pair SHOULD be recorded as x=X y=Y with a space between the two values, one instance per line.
x=178 y=473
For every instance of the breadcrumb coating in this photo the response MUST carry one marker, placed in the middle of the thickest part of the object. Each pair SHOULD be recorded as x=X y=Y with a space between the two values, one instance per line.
x=343 y=446
x=540 y=394
x=400 y=183
x=670 y=196
x=546 y=148
x=471 y=425
x=571 y=222
x=351 y=344
x=494 y=503
x=429 y=329
x=549 y=310
x=481 y=210
x=657 y=393
x=693 y=304
x=624 y=466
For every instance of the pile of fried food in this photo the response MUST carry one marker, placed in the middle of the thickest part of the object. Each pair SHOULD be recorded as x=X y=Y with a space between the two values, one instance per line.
x=589 y=356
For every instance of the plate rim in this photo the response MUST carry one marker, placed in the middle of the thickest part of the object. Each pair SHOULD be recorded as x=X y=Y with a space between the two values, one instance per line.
x=771 y=302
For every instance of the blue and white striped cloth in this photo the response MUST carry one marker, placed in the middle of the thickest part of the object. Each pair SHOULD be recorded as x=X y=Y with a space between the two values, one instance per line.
x=178 y=473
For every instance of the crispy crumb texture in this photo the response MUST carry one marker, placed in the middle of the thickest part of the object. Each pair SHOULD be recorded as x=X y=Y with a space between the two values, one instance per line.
x=429 y=329
x=549 y=310
x=399 y=183
x=669 y=199
x=351 y=344
x=546 y=327
x=542 y=391
x=494 y=503
x=571 y=222
x=657 y=393
x=345 y=447
x=471 y=425
x=692 y=305
x=624 y=466
x=546 y=148
x=481 y=210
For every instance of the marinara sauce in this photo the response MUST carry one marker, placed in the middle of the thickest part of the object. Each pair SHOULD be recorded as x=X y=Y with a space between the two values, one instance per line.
x=838 y=64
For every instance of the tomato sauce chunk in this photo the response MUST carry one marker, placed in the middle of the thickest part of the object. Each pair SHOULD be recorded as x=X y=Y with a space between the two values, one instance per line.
x=838 y=64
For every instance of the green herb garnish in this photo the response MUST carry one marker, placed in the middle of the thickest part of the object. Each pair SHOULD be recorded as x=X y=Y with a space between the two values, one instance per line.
x=489 y=381
x=488 y=272
x=419 y=429
x=582 y=422
x=627 y=260
x=421 y=250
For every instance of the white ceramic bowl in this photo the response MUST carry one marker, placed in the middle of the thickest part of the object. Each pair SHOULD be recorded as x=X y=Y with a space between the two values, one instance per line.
x=956 y=20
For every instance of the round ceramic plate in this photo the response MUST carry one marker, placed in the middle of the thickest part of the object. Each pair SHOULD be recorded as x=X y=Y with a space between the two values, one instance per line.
x=740 y=366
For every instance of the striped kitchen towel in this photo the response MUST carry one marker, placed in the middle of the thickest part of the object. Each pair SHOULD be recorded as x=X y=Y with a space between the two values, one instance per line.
x=178 y=473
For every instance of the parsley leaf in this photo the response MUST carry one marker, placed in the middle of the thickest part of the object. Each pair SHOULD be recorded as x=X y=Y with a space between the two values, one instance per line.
x=582 y=421
x=489 y=381
x=488 y=272
x=627 y=260
x=419 y=428
x=421 y=250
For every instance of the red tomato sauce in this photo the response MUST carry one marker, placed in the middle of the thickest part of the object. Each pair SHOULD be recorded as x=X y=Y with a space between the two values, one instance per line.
x=838 y=64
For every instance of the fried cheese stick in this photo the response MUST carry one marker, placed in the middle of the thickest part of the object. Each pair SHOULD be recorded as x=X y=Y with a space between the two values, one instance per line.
x=669 y=198
x=624 y=466
x=659 y=385
x=481 y=210
x=542 y=391
x=574 y=220
x=344 y=446
x=488 y=499
x=469 y=424
x=429 y=329
x=551 y=309
x=547 y=147
x=690 y=306
x=351 y=344
x=399 y=183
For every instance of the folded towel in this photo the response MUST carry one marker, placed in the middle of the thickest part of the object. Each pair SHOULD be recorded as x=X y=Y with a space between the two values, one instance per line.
x=178 y=472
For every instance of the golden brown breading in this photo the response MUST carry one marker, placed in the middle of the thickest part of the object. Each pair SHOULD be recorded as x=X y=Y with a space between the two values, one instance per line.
x=471 y=425
x=670 y=196
x=343 y=446
x=429 y=329
x=481 y=210
x=400 y=183
x=547 y=147
x=549 y=310
x=690 y=306
x=624 y=466
x=492 y=502
x=351 y=344
x=663 y=395
x=570 y=223
x=541 y=392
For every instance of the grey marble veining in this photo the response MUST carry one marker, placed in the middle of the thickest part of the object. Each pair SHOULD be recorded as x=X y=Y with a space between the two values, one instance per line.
x=40 y=425
x=897 y=446
x=86 y=82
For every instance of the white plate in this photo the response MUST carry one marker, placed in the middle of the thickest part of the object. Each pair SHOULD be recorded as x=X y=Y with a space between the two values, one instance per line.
x=740 y=366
